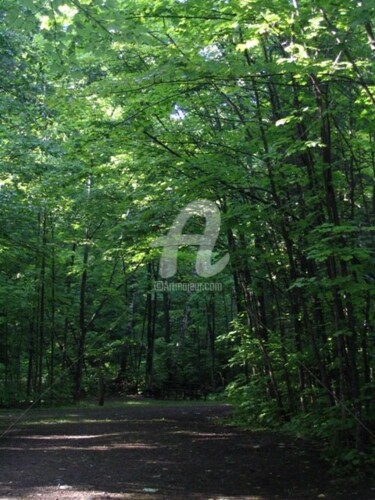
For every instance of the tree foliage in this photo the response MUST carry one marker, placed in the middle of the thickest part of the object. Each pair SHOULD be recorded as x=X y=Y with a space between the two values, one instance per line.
x=116 y=115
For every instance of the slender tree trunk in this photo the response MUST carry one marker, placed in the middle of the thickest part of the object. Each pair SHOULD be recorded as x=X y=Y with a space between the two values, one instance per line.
x=101 y=380
x=42 y=299
x=53 y=315
x=82 y=324
x=151 y=306
x=211 y=329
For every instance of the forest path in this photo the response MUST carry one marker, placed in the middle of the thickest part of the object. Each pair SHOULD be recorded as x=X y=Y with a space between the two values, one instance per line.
x=157 y=451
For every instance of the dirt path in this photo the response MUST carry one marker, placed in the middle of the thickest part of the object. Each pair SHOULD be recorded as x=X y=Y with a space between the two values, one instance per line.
x=158 y=452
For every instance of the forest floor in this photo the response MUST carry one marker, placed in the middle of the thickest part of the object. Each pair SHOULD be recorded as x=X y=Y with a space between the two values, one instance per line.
x=157 y=451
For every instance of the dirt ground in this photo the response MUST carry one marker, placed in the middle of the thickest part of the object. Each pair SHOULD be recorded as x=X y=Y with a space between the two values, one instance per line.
x=158 y=452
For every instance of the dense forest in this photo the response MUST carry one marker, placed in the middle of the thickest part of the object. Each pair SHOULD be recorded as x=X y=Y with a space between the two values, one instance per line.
x=115 y=116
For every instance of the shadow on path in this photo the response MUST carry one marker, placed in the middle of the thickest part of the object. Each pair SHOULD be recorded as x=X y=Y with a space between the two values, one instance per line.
x=157 y=452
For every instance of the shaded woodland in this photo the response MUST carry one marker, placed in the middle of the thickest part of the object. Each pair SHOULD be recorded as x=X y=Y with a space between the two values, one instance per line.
x=114 y=116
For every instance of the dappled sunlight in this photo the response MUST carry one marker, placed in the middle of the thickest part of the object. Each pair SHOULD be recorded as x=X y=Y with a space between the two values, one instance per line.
x=70 y=492
x=204 y=435
x=124 y=446
x=151 y=420
x=64 y=437
x=51 y=437
x=109 y=447
x=76 y=420
x=133 y=492
x=153 y=453
x=118 y=443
